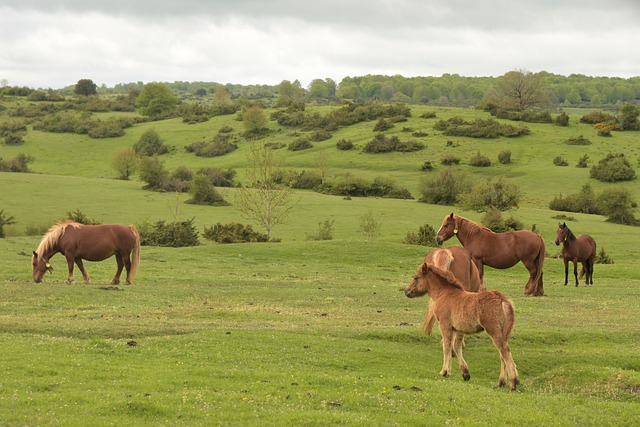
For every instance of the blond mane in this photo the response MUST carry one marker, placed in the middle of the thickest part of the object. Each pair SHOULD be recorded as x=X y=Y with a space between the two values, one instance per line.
x=446 y=275
x=53 y=235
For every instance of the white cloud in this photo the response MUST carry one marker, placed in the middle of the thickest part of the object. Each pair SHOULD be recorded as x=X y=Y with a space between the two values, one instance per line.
x=54 y=44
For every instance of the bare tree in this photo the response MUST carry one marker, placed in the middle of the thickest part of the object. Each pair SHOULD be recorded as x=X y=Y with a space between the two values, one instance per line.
x=521 y=90
x=263 y=200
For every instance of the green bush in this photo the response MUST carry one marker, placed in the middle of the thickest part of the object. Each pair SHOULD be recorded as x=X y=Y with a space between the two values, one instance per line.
x=426 y=236
x=603 y=258
x=233 y=233
x=561 y=119
x=20 y=163
x=150 y=144
x=560 y=161
x=479 y=160
x=204 y=193
x=299 y=144
x=582 y=161
x=504 y=157
x=174 y=234
x=613 y=168
x=324 y=231
x=80 y=217
x=445 y=189
x=381 y=144
x=5 y=220
x=579 y=140
x=493 y=220
x=479 y=128
x=382 y=125
x=598 y=117
x=450 y=160
x=344 y=145
x=494 y=192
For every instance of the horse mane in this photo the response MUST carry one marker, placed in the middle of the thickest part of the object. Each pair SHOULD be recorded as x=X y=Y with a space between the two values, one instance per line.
x=475 y=228
x=446 y=276
x=53 y=235
x=445 y=263
x=570 y=234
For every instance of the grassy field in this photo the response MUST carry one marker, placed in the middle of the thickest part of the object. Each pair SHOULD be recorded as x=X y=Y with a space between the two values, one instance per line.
x=305 y=332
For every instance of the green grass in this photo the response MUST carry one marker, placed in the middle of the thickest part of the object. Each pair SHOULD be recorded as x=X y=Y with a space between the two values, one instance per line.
x=303 y=332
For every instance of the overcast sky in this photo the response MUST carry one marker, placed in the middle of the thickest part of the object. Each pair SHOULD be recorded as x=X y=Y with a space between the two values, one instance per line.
x=53 y=44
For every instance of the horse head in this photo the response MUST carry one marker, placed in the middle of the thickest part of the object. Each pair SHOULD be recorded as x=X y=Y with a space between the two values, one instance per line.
x=563 y=233
x=448 y=228
x=40 y=266
x=417 y=287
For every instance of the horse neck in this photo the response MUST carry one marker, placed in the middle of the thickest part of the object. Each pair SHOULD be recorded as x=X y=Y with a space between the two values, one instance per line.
x=467 y=229
x=438 y=286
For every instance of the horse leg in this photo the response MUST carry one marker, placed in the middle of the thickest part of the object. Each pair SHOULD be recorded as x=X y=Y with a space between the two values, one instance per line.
x=116 y=278
x=588 y=271
x=447 y=338
x=531 y=287
x=575 y=271
x=507 y=365
x=85 y=276
x=566 y=272
x=458 y=341
x=127 y=265
x=70 y=279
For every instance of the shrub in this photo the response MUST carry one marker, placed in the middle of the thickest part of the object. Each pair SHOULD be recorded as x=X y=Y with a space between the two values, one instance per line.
x=370 y=226
x=561 y=119
x=5 y=220
x=381 y=144
x=427 y=166
x=303 y=180
x=150 y=144
x=152 y=171
x=204 y=193
x=426 y=236
x=299 y=144
x=233 y=233
x=493 y=221
x=479 y=160
x=604 y=132
x=219 y=146
x=504 y=157
x=320 y=135
x=495 y=192
x=80 y=217
x=450 y=160
x=324 y=231
x=617 y=205
x=479 y=128
x=598 y=117
x=20 y=163
x=582 y=161
x=344 y=145
x=218 y=177
x=175 y=234
x=13 y=139
x=579 y=140
x=428 y=115
x=584 y=202
x=443 y=189
x=560 y=161
x=613 y=168
x=382 y=125
x=603 y=258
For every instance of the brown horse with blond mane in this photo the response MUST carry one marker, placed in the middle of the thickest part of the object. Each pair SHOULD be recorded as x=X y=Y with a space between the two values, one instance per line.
x=460 y=312
x=576 y=249
x=498 y=250
x=457 y=260
x=89 y=242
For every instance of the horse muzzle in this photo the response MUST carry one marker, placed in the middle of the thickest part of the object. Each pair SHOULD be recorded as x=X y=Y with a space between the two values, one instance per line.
x=557 y=242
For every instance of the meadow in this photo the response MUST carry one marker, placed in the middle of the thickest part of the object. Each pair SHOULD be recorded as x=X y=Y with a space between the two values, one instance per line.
x=306 y=332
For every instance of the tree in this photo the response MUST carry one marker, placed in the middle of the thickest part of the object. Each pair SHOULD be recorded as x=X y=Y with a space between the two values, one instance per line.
x=262 y=200
x=496 y=193
x=204 y=193
x=125 y=162
x=85 y=87
x=152 y=172
x=156 y=100
x=150 y=144
x=629 y=117
x=520 y=90
x=254 y=120
x=5 y=220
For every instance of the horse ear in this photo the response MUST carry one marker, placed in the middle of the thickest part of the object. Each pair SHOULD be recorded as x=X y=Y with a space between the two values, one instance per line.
x=451 y=216
x=35 y=254
x=564 y=225
x=424 y=267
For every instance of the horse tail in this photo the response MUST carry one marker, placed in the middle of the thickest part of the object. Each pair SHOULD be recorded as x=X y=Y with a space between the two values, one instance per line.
x=540 y=261
x=509 y=317
x=135 y=253
x=429 y=319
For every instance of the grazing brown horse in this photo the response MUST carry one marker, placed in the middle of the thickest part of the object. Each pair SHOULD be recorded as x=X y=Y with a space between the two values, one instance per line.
x=576 y=249
x=460 y=312
x=498 y=250
x=457 y=260
x=92 y=243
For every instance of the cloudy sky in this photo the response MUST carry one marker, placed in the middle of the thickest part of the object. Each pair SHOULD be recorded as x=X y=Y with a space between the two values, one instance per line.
x=52 y=44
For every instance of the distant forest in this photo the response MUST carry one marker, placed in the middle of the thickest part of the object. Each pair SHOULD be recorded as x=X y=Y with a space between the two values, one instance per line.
x=575 y=90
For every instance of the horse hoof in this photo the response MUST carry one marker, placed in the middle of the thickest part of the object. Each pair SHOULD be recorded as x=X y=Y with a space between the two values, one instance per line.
x=444 y=374
x=466 y=376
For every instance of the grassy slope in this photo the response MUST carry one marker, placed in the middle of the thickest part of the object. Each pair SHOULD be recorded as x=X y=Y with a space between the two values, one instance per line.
x=304 y=332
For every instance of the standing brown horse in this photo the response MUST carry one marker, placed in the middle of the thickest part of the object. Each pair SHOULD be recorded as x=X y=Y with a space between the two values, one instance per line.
x=498 y=250
x=92 y=243
x=460 y=312
x=457 y=260
x=576 y=249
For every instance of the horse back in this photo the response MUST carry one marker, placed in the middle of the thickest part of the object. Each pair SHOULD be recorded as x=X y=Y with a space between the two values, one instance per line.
x=458 y=261
x=97 y=242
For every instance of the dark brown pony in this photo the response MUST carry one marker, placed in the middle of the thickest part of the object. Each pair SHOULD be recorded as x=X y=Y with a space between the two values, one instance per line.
x=576 y=249
x=92 y=243
x=498 y=250
x=460 y=312
x=457 y=260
